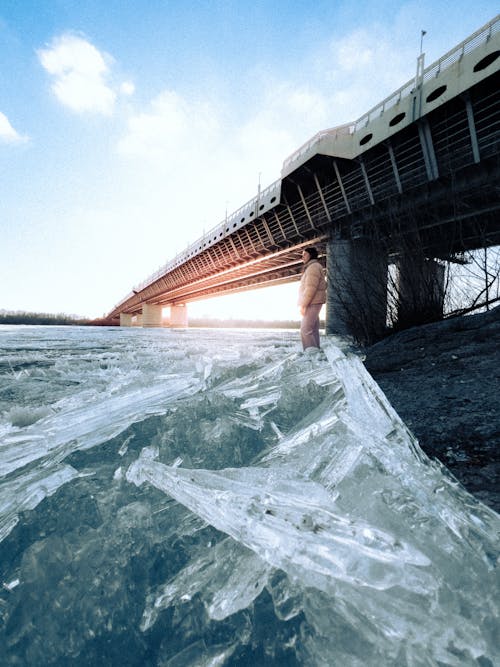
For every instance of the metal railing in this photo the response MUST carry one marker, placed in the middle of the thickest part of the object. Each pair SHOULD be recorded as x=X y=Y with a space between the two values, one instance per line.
x=473 y=41
x=339 y=131
x=469 y=44
x=228 y=225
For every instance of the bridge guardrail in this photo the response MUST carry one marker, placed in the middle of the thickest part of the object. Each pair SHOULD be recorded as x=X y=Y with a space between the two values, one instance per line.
x=448 y=59
x=229 y=224
x=445 y=61
x=340 y=130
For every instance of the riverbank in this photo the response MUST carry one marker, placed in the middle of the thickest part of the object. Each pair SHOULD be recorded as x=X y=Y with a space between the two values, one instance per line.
x=443 y=380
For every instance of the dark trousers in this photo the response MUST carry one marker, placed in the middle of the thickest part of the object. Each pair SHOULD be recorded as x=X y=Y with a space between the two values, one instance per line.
x=309 y=327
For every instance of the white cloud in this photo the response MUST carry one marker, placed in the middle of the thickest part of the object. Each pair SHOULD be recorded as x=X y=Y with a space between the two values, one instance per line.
x=179 y=133
x=364 y=67
x=287 y=115
x=7 y=133
x=191 y=158
x=355 y=51
x=186 y=140
x=80 y=74
x=127 y=88
x=170 y=126
x=340 y=82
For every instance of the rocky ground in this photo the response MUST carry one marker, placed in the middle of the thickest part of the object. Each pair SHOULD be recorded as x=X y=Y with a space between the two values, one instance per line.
x=443 y=380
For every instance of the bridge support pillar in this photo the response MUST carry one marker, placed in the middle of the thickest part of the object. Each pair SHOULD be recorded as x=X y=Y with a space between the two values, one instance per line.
x=179 y=316
x=138 y=320
x=420 y=290
x=125 y=319
x=357 y=289
x=152 y=315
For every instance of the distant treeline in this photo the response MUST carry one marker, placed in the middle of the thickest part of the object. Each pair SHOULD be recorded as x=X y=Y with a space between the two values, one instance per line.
x=22 y=317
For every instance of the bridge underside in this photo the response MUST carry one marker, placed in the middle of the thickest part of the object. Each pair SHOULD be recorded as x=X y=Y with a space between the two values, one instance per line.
x=282 y=266
x=433 y=185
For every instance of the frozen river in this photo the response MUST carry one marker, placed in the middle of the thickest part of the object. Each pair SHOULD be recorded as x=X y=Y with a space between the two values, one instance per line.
x=216 y=497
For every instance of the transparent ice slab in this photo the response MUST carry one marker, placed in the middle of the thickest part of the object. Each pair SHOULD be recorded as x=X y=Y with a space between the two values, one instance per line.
x=26 y=491
x=375 y=540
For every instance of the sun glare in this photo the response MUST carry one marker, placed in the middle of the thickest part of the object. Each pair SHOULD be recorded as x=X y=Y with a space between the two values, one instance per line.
x=267 y=304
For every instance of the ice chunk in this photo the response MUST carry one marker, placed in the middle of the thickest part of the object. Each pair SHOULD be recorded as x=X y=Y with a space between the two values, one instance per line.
x=198 y=654
x=376 y=541
x=27 y=490
x=89 y=424
x=229 y=577
x=24 y=416
x=293 y=524
x=11 y=585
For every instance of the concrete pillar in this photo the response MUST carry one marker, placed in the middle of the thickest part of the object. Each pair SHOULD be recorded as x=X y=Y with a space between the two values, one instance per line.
x=357 y=289
x=179 y=316
x=125 y=319
x=152 y=315
x=420 y=290
x=137 y=320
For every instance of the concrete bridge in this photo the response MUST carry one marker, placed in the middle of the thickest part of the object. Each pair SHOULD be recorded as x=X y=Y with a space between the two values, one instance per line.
x=413 y=183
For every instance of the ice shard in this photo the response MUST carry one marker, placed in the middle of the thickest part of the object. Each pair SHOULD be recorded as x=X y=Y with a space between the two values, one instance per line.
x=27 y=490
x=384 y=552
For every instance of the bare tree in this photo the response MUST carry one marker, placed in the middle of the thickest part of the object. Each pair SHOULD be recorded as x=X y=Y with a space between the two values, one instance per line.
x=474 y=281
x=378 y=285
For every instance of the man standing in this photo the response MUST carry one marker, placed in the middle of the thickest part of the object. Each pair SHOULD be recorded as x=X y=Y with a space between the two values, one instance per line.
x=312 y=295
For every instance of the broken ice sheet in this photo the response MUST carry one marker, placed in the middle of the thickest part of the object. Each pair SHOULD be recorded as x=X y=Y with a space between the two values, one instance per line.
x=228 y=575
x=27 y=490
x=291 y=523
x=383 y=545
x=305 y=426
x=90 y=423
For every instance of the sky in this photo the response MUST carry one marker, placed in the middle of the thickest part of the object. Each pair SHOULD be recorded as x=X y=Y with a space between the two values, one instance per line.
x=129 y=128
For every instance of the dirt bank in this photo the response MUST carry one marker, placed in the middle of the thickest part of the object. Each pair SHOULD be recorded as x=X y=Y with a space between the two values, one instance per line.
x=444 y=379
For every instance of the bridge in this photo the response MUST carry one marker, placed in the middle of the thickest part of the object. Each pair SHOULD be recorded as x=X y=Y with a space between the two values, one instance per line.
x=413 y=183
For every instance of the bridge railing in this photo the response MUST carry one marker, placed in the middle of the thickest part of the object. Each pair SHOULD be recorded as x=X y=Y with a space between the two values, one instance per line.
x=222 y=229
x=232 y=220
x=340 y=130
x=473 y=41
x=480 y=36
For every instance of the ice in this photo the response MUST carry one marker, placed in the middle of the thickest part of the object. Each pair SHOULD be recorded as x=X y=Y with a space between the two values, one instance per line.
x=51 y=440
x=102 y=398
x=349 y=508
x=220 y=498
x=26 y=491
x=90 y=423
x=291 y=523
x=22 y=416
x=199 y=654
x=231 y=577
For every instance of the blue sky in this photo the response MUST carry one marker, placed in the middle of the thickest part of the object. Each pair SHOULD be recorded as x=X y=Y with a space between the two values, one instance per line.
x=128 y=128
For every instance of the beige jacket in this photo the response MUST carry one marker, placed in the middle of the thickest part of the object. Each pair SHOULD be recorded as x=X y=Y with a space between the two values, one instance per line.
x=312 y=287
